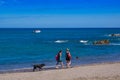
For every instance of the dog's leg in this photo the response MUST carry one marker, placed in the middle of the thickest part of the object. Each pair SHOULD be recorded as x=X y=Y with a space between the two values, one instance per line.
x=39 y=68
x=34 y=68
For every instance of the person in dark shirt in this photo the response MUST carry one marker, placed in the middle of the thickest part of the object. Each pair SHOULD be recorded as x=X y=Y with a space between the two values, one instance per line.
x=68 y=58
x=59 y=59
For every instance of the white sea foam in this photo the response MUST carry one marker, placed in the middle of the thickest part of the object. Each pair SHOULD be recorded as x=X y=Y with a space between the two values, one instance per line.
x=83 y=41
x=114 y=35
x=17 y=69
x=107 y=35
x=61 y=41
x=53 y=66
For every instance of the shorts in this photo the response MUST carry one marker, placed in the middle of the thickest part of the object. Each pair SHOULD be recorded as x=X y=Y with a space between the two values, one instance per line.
x=59 y=61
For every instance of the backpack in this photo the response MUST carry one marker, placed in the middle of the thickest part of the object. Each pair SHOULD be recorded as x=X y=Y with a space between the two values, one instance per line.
x=56 y=57
x=68 y=56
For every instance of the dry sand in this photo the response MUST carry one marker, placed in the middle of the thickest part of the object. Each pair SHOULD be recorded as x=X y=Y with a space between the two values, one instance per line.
x=106 y=71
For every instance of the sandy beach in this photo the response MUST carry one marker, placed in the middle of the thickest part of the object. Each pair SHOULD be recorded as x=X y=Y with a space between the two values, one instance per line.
x=104 y=71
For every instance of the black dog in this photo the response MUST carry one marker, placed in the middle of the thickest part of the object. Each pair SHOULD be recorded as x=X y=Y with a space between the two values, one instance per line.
x=40 y=66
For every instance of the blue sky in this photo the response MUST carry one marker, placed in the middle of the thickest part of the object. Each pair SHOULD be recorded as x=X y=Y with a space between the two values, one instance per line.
x=59 y=13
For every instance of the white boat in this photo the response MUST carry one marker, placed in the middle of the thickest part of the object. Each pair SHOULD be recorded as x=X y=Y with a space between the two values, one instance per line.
x=37 y=31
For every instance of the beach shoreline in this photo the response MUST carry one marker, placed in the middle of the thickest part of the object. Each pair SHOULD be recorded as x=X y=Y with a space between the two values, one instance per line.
x=102 y=71
x=30 y=69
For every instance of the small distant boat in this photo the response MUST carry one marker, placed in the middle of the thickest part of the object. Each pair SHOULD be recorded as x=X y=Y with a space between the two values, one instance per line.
x=37 y=31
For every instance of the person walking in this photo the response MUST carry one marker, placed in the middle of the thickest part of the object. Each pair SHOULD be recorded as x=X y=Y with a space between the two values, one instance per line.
x=59 y=59
x=68 y=58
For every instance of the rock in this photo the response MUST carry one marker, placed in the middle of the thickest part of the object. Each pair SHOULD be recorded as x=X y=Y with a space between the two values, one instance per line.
x=100 y=42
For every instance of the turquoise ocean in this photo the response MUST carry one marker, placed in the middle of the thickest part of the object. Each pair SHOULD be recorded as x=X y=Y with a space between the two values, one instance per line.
x=22 y=47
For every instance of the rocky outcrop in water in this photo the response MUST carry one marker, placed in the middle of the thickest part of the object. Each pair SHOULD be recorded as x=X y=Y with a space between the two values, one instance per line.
x=101 y=42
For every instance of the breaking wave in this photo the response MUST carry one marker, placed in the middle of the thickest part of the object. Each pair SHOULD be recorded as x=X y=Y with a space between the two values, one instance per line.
x=61 y=41
x=84 y=41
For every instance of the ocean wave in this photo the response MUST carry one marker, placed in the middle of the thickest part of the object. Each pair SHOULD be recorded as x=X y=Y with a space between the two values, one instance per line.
x=61 y=41
x=107 y=35
x=16 y=69
x=114 y=43
x=114 y=35
x=83 y=41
